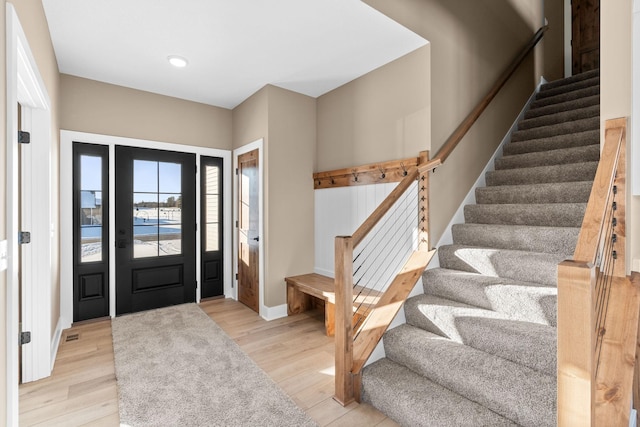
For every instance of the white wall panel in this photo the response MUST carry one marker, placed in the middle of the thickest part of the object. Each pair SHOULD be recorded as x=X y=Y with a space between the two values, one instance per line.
x=339 y=212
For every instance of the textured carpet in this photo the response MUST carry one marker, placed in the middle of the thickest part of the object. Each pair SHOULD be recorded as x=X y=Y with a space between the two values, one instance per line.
x=480 y=343
x=176 y=367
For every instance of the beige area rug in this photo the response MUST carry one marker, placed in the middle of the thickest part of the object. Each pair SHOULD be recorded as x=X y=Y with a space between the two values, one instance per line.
x=176 y=367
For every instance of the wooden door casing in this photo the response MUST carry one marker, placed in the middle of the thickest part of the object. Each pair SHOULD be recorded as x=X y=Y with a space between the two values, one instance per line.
x=585 y=35
x=248 y=237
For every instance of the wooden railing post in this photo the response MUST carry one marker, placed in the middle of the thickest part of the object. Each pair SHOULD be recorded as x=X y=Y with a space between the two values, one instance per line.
x=344 y=381
x=423 y=205
x=576 y=342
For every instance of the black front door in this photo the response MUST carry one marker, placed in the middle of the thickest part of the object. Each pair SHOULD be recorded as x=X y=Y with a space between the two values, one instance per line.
x=155 y=229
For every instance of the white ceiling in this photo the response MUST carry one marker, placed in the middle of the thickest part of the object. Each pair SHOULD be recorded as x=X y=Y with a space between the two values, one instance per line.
x=234 y=47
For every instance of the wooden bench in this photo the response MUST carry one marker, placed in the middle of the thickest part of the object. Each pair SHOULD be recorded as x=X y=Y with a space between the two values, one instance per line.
x=303 y=289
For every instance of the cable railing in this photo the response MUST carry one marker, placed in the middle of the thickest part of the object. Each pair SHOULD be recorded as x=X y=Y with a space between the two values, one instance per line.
x=598 y=304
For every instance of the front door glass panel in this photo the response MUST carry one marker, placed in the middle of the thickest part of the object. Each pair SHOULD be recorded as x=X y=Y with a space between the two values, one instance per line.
x=157 y=209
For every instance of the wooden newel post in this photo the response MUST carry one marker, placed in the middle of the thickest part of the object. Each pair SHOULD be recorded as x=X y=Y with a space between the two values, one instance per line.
x=576 y=344
x=344 y=393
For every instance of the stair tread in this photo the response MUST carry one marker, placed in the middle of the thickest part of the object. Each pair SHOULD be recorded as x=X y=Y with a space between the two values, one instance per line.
x=550 y=192
x=515 y=299
x=526 y=343
x=562 y=128
x=559 y=107
x=583 y=171
x=413 y=400
x=568 y=80
x=514 y=391
x=538 y=214
x=587 y=153
x=558 y=240
x=578 y=139
x=540 y=267
x=566 y=96
x=560 y=117
x=546 y=91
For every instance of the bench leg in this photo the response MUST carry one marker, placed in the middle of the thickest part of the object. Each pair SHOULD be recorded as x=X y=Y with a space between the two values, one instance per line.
x=330 y=318
x=297 y=302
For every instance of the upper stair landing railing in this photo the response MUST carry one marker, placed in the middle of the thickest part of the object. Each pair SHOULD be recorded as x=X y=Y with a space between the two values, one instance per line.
x=356 y=333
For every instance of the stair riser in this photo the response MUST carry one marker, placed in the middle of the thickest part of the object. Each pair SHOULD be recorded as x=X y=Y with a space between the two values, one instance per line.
x=498 y=384
x=528 y=302
x=564 y=128
x=543 y=174
x=557 y=214
x=589 y=153
x=569 y=192
x=540 y=267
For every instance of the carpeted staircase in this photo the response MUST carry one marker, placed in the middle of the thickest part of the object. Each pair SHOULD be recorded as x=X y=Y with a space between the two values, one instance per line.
x=479 y=346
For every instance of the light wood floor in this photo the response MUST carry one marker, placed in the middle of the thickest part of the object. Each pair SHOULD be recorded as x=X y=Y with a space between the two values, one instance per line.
x=294 y=351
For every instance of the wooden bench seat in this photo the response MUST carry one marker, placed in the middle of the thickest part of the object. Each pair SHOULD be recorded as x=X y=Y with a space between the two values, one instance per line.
x=303 y=289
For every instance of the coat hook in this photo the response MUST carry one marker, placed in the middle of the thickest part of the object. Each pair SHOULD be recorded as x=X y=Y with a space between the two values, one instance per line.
x=332 y=181
x=382 y=174
x=404 y=169
x=319 y=182
x=355 y=175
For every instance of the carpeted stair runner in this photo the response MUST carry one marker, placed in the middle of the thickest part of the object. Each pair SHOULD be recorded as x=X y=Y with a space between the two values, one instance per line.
x=479 y=346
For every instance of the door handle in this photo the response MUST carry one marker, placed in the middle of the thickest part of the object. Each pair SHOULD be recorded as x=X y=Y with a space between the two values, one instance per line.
x=122 y=243
x=257 y=239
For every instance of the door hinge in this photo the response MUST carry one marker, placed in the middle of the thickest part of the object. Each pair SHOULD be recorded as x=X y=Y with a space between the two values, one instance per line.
x=236 y=276
x=24 y=137
x=25 y=337
x=236 y=171
x=236 y=223
x=24 y=237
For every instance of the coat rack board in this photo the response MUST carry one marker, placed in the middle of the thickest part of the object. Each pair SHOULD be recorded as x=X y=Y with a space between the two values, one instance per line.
x=374 y=173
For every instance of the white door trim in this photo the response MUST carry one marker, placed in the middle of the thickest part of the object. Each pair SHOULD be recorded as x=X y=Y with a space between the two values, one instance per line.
x=66 y=210
x=25 y=86
x=259 y=145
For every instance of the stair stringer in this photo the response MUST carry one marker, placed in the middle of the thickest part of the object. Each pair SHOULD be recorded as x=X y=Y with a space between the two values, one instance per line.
x=458 y=218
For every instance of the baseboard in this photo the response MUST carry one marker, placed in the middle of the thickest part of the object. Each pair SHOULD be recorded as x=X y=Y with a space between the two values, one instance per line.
x=55 y=342
x=272 y=313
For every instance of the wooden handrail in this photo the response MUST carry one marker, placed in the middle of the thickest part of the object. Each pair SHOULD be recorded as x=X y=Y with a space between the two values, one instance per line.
x=452 y=142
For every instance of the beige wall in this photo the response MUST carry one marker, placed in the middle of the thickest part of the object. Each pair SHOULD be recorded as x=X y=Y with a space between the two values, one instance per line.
x=287 y=123
x=615 y=96
x=32 y=18
x=251 y=119
x=470 y=44
x=291 y=152
x=95 y=107
x=383 y=115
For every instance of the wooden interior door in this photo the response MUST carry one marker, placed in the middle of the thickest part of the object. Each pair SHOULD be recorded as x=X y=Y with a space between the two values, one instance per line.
x=248 y=237
x=585 y=35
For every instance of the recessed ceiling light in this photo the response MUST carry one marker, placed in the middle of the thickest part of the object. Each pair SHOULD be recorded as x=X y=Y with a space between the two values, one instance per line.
x=177 y=61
